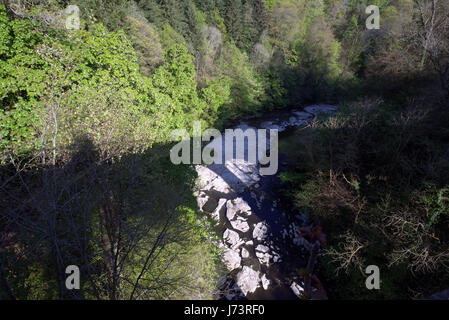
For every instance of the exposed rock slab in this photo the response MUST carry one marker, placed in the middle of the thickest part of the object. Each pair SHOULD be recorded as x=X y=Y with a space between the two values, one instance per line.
x=245 y=253
x=235 y=207
x=260 y=231
x=265 y=282
x=262 y=248
x=248 y=280
x=231 y=237
x=240 y=225
x=232 y=259
x=297 y=289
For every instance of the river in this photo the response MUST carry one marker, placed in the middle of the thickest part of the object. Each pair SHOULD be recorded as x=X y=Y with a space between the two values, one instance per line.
x=259 y=233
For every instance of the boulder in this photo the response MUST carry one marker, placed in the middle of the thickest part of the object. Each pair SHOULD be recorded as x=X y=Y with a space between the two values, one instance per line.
x=240 y=225
x=260 y=231
x=235 y=207
x=231 y=237
x=210 y=180
x=262 y=248
x=245 y=253
x=232 y=259
x=264 y=258
x=297 y=289
x=248 y=280
x=265 y=282
x=238 y=175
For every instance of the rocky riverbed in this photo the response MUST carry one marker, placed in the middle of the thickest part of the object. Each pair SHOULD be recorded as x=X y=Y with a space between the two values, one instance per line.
x=260 y=246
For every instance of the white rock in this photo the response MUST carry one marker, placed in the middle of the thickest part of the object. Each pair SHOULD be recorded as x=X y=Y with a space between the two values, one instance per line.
x=231 y=237
x=264 y=258
x=260 y=231
x=210 y=180
x=232 y=259
x=240 y=225
x=237 y=175
x=245 y=253
x=248 y=280
x=265 y=282
x=262 y=248
x=235 y=207
x=297 y=289
x=249 y=243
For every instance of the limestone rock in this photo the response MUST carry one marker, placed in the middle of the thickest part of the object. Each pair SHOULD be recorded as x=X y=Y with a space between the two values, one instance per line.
x=265 y=282
x=248 y=280
x=240 y=225
x=245 y=253
x=260 y=231
x=262 y=248
x=264 y=258
x=231 y=237
x=235 y=207
x=297 y=289
x=232 y=259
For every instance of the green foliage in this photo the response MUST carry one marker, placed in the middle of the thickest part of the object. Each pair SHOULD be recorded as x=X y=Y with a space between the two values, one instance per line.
x=269 y=4
x=22 y=82
x=353 y=180
x=92 y=106
x=111 y=13
x=146 y=42
x=246 y=87
x=170 y=37
x=173 y=94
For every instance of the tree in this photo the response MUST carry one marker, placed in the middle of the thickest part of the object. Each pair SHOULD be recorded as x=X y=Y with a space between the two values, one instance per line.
x=433 y=31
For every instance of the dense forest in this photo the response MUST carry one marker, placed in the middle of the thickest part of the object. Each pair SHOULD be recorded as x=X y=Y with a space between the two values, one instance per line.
x=85 y=131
